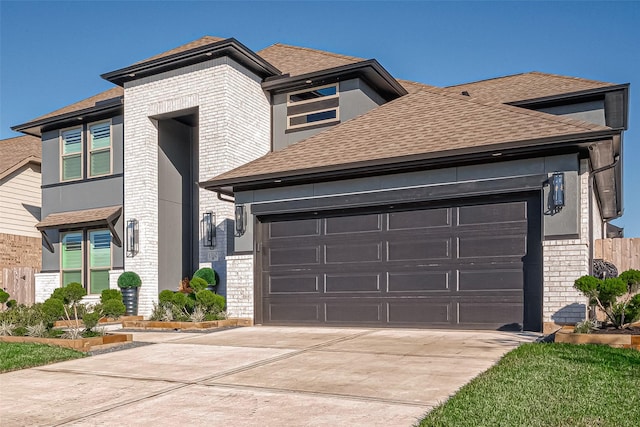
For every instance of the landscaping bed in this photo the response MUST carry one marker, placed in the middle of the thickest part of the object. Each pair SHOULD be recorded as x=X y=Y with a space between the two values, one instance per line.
x=80 y=344
x=103 y=321
x=158 y=324
x=619 y=338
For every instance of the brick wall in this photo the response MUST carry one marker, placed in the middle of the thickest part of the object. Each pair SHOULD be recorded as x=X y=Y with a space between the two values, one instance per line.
x=240 y=286
x=19 y=251
x=563 y=262
x=234 y=126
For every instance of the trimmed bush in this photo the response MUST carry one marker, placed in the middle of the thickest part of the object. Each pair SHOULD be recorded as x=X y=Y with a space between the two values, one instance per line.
x=198 y=284
x=166 y=296
x=129 y=279
x=207 y=274
x=12 y=303
x=91 y=319
x=72 y=293
x=113 y=308
x=4 y=296
x=180 y=300
x=53 y=309
x=110 y=294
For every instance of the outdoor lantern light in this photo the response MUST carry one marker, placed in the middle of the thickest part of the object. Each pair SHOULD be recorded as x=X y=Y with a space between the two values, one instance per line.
x=557 y=191
x=241 y=220
x=132 y=237
x=208 y=229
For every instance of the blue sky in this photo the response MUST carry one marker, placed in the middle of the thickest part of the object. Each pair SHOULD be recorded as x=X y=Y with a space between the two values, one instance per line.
x=52 y=53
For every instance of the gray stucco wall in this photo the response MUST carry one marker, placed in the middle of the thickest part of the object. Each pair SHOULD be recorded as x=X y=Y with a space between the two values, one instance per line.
x=356 y=98
x=592 y=111
x=82 y=194
x=564 y=223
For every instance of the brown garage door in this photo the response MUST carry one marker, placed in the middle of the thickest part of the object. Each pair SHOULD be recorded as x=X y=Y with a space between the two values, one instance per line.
x=471 y=265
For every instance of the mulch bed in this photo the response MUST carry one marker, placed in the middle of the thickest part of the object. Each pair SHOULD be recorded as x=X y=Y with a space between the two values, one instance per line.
x=630 y=331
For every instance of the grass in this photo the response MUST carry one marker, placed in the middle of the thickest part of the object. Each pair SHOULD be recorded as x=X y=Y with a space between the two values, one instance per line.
x=14 y=356
x=550 y=385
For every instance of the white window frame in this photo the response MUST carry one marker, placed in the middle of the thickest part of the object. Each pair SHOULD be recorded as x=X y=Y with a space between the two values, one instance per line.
x=309 y=101
x=89 y=268
x=82 y=255
x=90 y=151
x=62 y=155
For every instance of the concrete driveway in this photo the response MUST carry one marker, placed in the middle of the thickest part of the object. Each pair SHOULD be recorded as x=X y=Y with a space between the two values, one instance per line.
x=259 y=376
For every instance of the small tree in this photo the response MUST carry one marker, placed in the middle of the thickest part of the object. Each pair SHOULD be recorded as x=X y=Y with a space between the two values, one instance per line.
x=616 y=297
x=71 y=295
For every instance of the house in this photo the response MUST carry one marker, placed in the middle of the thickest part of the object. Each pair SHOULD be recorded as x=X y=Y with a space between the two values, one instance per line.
x=324 y=191
x=20 y=243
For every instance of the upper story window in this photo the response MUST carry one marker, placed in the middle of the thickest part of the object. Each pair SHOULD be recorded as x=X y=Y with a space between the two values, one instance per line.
x=71 y=159
x=100 y=149
x=313 y=106
x=96 y=137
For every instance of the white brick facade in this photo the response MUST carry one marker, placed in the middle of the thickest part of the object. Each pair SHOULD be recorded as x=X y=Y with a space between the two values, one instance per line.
x=46 y=283
x=240 y=296
x=234 y=128
x=563 y=262
x=113 y=278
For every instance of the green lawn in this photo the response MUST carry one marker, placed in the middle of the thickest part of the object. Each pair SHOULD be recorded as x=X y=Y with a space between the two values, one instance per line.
x=550 y=385
x=14 y=356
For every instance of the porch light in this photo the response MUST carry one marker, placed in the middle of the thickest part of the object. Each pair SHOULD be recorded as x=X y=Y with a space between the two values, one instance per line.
x=241 y=220
x=132 y=237
x=208 y=225
x=557 y=191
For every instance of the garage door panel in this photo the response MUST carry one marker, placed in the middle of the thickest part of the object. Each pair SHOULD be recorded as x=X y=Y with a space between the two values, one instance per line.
x=495 y=246
x=420 y=219
x=354 y=312
x=427 y=249
x=491 y=279
x=340 y=283
x=492 y=213
x=500 y=314
x=298 y=312
x=294 y=284
x=294 y=256
x=307 y=227
x=423 y=312
x=359 y=224
x=353 y=253
x=419 y=281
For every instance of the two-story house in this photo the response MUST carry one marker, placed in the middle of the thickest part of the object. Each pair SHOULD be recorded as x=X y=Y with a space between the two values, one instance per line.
x=324 y=191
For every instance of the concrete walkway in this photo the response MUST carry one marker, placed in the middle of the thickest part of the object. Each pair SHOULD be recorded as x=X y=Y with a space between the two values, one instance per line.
x=259 y=376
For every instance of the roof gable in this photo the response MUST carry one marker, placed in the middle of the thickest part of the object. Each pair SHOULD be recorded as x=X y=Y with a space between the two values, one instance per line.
x=295 y=60
x=427 y=122
x=525 y=86
x=16 y=152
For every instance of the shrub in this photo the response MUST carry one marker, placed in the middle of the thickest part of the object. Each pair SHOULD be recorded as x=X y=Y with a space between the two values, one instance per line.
x=38 y=330
x=91 y=319
x=207 y=274
x=198 y=284
x=72 y=293
x=614 y=296
x=110 y=294
x=631 y=277
x=211 y=301
x=129 y=279
x=4 y=296
x=113 y=308
x=53 y=309
x=180 y=300
x=166 y=296
x=12 y=303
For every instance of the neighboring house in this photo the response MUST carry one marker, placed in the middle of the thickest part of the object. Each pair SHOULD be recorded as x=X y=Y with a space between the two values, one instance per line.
x=20 y=242
x=338 y=194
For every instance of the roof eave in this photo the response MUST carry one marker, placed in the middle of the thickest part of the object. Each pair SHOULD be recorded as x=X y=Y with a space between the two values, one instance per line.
x=441 y=159
x=370 y=70
x=103 y=107
x=569 y=95
x=20 y=164
x=228 y=47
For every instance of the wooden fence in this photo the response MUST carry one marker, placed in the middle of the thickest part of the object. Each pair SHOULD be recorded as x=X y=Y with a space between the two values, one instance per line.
x=20 y=283
x=623 y=253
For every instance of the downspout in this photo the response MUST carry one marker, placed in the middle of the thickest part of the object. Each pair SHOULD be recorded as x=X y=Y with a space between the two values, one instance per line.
x=229 y=200
x=592 y=175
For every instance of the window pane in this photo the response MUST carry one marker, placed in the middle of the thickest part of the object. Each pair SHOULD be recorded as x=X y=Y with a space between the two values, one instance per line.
x=100 y=163
x=100 y=248
x=72 y=251
x=71 y=276
x=100 y=135
x=313 y=117
x=313 y=94
x=72 y=141
x=99 y=280
x=71 y=167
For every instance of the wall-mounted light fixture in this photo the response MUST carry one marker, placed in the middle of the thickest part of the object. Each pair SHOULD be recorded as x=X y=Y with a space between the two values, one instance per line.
x=208 y=225
x=241 y=220
x=556 y=187
x=132 y=237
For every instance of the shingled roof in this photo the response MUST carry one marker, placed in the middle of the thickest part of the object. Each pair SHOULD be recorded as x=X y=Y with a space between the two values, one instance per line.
x=295 y=60
x=525 y=86
x=427 y=122
x=114 y=92
x=202 y=41
x=18 y=151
